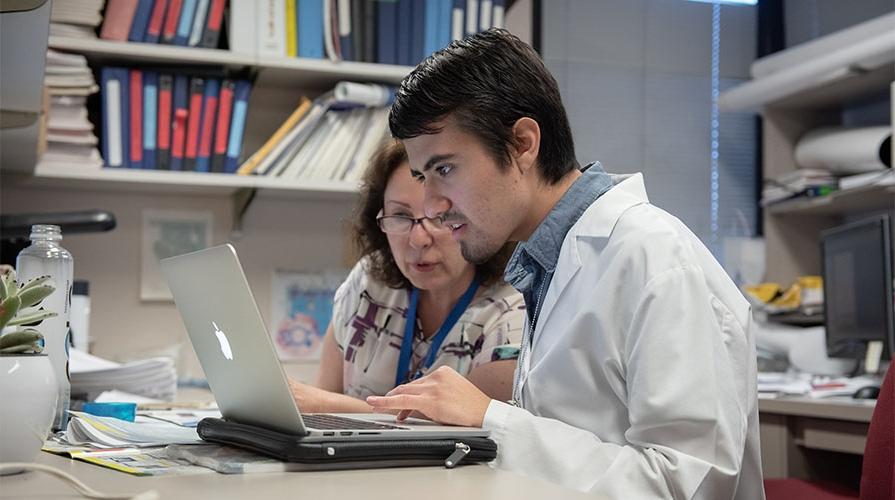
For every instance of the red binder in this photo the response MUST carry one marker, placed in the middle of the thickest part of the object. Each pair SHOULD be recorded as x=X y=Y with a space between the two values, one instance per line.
x=156 y=21
x=136 y=118
x=163 y=137
x=118 y=18
x=171 y=18
x=197 y=87
x=178 y=137
x=222 y=130
x=213 y=25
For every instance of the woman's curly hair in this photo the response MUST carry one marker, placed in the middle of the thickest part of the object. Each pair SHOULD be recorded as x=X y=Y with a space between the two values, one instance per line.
x=373 y=243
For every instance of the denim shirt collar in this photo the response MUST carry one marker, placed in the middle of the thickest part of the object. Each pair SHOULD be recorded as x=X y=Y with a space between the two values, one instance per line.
x=542 y=248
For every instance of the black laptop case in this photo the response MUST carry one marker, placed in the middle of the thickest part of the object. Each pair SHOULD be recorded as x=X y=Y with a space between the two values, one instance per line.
x=379 y=453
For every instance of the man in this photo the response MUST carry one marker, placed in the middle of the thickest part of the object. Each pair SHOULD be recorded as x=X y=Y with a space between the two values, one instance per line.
x=637 y=376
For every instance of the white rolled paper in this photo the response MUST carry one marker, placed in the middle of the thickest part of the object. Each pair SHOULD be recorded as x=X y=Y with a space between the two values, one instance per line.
x=366 y=94
x=844 y=150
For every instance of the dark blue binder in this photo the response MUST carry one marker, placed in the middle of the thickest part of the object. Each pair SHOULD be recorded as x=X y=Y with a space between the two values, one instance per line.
x=140 y=21
x=386 y=31
x=405 y=32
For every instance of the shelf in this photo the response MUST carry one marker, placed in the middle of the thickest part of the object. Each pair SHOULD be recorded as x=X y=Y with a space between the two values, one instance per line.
x=847 y=85
x=119 y=52
x=839 y=202
x=292 y=72
x=193 y=183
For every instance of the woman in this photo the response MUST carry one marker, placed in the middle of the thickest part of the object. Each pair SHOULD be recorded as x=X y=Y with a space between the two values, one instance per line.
x=460 y=315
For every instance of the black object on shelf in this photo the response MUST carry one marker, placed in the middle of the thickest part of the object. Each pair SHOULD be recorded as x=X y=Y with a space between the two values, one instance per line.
x=15 y=228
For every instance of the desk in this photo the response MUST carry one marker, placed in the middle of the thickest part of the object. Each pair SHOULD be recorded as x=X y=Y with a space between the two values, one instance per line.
x=806 y=438
x=429 y=483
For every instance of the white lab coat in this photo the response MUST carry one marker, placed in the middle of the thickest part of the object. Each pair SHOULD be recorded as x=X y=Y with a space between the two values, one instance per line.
x=641 y=378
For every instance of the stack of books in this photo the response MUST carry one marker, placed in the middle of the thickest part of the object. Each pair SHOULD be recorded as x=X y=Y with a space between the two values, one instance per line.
x=330 y=139
x=156 y=119
x=802 y=182
x=188 y=23
x=76 y=18
x=69 y=134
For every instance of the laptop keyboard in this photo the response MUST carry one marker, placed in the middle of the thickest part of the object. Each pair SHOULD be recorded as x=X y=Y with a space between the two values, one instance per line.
x=324 y=421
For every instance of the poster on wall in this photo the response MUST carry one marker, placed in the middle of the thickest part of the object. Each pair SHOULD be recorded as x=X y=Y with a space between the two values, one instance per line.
x=167 y=233
x=301 y=309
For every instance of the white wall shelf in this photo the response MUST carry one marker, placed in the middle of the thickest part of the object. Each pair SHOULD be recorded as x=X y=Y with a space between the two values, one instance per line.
x=291 y=72
x=174 y=183
x=860 y=199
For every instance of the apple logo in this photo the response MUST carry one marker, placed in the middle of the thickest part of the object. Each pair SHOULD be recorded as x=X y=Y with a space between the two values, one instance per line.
x=225 y=344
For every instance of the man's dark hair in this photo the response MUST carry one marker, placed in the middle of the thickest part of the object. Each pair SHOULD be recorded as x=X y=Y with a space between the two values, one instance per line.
x=485 y=83
x=372 y=243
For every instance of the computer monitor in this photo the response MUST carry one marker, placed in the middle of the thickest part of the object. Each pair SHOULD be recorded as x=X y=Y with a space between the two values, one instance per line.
x=857 y=274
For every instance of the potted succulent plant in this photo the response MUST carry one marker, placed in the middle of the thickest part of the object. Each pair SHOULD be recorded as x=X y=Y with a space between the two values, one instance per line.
x=27 y=383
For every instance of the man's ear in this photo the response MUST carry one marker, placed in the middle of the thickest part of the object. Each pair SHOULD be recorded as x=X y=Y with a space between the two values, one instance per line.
x=526 y=143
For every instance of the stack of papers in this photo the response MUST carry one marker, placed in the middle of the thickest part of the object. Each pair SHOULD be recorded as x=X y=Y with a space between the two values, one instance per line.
x=800 y=182
x=76 y=18
x=803 y=384
x=70 y=137
x=91 y=375
x=85 y=429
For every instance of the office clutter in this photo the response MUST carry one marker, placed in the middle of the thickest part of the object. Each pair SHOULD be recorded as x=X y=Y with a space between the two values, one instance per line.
x=799 y=303
x=91 y=375
x=165 y=120
x=331 y=138
x=76 y=18
x=69 y=137
x=831 y=159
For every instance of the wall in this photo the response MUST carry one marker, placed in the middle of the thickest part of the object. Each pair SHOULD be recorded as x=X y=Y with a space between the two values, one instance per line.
x=278 y=234
x=635 y=78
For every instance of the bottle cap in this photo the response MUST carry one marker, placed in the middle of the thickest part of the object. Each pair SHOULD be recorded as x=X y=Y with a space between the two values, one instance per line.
x=123 y=411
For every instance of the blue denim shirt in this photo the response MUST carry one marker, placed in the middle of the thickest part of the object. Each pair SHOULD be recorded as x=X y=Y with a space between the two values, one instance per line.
x=531 y=267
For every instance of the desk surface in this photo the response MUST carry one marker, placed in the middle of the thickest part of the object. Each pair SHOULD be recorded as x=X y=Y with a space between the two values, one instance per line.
x=838 y=408
x=431 y=483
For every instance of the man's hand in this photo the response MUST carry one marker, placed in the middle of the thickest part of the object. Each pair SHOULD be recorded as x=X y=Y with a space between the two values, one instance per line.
x=444 y=396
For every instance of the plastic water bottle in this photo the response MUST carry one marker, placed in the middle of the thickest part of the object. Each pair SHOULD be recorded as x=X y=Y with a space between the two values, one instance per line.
x=46 y=257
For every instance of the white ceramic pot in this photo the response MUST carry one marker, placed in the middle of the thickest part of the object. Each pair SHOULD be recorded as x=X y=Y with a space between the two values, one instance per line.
x=27 y=405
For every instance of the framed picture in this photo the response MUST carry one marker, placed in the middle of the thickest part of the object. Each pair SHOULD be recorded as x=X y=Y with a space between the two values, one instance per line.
x=167 y=233
x=301 y=309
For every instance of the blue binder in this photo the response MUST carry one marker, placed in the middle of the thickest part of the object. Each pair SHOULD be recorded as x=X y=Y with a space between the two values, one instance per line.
x=310 y=28
x=150 y=117
x=237 y=124
x=140 y=21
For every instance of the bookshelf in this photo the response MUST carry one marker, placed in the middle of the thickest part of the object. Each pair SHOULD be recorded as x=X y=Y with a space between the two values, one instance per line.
x=294 y=72
x=187 y=183
x=279 y=83
x=792 y=228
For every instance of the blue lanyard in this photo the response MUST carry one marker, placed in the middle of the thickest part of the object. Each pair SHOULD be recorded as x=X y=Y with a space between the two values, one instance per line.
x=402 y=374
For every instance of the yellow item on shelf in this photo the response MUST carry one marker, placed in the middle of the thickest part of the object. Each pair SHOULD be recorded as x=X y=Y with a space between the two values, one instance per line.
x=764 y=292
x=249 y=166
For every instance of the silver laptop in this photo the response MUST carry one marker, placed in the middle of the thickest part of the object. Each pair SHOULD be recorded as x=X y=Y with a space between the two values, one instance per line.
x=236 y=352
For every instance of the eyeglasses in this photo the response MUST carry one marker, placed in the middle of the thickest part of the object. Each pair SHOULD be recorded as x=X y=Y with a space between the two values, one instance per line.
x=402 y=224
